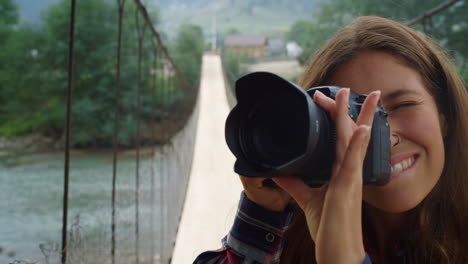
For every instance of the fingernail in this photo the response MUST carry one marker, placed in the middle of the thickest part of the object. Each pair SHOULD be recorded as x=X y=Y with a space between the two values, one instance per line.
x=345 y=91
x=378 y=92
x=347 y=94
x=319 y=94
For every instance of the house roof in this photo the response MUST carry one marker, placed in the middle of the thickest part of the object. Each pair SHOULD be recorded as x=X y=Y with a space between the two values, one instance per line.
x=245 y=40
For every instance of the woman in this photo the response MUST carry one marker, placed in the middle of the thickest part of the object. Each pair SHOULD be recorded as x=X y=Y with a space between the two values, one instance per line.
x=420 y=215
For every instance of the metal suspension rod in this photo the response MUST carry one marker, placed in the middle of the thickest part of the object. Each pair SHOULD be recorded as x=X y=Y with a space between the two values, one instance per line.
x=173 y=82
x=153 y=150
x=140 y=34
x=161 y=88
x=120 y=4
x=71 y=58
x=161 y=178
x=165 y=86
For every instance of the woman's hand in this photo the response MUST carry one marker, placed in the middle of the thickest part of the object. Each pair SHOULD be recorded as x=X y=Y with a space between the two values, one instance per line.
x=272 y=198
x=333 y=212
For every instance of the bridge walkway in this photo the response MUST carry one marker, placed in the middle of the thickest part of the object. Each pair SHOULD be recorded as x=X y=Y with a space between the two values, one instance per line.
x=213 y=189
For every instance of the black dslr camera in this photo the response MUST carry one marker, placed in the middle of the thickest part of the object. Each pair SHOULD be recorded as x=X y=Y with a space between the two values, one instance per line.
x=276 y=129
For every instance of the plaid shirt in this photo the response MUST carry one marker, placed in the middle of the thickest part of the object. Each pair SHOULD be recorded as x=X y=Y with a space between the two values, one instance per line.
x=257 y=236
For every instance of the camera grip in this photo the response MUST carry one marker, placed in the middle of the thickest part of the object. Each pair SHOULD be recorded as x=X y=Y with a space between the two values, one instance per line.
x=376 y=170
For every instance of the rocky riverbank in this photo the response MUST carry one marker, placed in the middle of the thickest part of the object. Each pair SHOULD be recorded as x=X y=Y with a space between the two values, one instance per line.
x=28 y=144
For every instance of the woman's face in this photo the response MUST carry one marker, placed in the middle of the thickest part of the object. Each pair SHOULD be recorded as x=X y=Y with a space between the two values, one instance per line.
x=418 y=156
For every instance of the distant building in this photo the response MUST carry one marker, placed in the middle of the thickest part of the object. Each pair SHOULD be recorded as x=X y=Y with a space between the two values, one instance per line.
x=293 y=49
x=276 y=47
x=250 y=45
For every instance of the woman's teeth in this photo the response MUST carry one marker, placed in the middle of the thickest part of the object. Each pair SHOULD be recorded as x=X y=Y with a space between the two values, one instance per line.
x=402 y=165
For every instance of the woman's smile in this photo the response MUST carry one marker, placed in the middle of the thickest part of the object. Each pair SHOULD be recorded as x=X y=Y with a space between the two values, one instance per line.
x=402 y=164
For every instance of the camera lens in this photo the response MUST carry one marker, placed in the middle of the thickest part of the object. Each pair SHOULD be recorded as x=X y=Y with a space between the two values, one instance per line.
x=275 y=133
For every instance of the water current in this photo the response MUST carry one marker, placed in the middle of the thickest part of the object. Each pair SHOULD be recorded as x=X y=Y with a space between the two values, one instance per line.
x=31 y=195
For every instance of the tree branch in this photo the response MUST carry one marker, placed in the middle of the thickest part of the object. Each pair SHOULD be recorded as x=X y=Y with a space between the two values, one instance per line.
x=432 y=12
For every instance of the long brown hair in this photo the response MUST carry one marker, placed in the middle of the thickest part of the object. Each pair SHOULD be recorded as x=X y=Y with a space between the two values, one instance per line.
x=441 y=220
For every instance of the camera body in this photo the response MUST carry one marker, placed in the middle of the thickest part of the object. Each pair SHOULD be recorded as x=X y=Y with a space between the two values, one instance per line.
x=276 y=129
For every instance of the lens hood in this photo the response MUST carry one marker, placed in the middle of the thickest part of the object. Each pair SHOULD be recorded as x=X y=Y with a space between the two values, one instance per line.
x=290 y=115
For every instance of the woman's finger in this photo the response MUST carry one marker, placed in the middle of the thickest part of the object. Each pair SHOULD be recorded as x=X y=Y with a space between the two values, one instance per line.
x=326 y=103
x=310 y=200
x=298 y=190
x=340 y=221
x=350 y=171
x=275 y=199
x=366 y=116
x=344 y=125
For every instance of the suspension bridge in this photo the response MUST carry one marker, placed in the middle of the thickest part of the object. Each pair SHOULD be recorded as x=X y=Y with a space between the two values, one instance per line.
x=152 y=203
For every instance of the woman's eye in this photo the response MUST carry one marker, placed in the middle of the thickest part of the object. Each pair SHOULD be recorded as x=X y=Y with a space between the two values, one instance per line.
x=401 y=105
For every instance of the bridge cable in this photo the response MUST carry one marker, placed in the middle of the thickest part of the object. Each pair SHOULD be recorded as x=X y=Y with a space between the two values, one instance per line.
x=140 y=35
x=163 y=48
x=153 y=148
x=121 y=5
x=162 y=175
x=71 y=49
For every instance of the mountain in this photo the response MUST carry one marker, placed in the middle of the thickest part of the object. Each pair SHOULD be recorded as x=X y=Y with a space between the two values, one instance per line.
x=270 y=17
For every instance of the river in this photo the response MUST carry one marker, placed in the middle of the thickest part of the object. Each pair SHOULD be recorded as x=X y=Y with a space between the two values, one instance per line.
x=31 y=195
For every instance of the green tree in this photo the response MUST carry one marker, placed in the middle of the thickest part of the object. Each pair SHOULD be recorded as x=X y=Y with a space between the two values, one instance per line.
x=93 y=80
x=22 y=84
x=188 y=50
x=8 y=17
x=33 y=86
x=18 y=58
x=449 y=26
x=452 y=29
x=36 y=79
x=232 y=31
x=300 y=32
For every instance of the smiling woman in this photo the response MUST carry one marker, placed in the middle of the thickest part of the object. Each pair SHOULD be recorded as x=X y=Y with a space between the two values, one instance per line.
x=418 y=158
x=427 y=106
x=420 y=215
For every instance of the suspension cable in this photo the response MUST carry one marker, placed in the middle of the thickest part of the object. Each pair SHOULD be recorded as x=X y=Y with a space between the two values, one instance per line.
x=71 y=49
x=115 y=139
x=159 y=84
x=153 y=150
x=163 y=48
x=140 y=35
